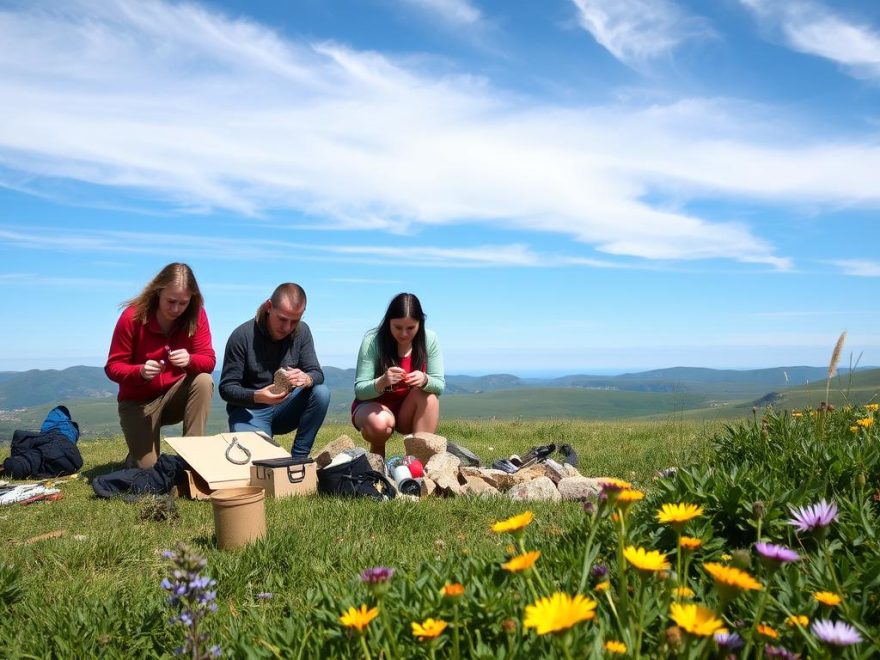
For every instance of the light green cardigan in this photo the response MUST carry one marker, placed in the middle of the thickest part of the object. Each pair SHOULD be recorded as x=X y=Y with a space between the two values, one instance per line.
x=368 y=360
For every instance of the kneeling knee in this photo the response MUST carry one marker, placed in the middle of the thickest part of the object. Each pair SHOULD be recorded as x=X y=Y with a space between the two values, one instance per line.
x=203 y=384
x=321 y=394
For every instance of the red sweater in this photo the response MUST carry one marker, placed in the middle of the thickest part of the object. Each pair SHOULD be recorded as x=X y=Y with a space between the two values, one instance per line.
x=134 y=343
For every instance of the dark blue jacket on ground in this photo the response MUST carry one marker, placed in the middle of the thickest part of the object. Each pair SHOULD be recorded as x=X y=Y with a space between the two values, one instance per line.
x=41 y=455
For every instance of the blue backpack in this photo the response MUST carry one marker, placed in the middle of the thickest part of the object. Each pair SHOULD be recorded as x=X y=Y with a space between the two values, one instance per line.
x=59 y=419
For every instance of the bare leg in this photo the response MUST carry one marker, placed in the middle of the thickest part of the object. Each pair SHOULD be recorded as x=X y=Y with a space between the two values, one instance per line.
x=376 y=424
x=420 y=412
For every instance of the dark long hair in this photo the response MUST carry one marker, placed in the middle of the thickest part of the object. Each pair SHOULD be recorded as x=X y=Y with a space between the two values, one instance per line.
x=403 y=305
x=177 y=274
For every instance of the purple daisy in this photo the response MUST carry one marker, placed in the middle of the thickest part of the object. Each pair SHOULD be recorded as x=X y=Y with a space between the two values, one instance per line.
x=776 y=553
x=814 y=517
x=835 y=633
x=377 y=575
x=780 y=652
x=728 y=641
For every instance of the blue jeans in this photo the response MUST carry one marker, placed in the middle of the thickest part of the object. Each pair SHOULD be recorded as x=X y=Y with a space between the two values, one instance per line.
x=303 y=410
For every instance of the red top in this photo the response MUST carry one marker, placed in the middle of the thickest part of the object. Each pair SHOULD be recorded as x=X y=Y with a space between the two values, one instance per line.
x=395 y=397
x=134 y=343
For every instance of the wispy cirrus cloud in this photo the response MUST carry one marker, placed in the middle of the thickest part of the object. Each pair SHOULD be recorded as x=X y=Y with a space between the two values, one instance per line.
x=459 y=12
x=813 y=28
x=858 y=267
x=638 y=31
x=198 y=110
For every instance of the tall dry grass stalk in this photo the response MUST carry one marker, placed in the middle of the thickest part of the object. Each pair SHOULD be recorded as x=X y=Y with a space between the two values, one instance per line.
x=832 y=366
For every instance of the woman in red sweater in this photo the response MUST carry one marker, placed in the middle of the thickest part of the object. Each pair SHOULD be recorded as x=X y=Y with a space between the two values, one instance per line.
x=161 y=356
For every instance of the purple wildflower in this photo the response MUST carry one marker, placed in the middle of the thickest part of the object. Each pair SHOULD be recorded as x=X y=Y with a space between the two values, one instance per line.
x=377 y=575
x=598 y=572
x=265 y=595
x=780 y=652
x=777 y=554
x=835 y=633
x=192 y=596
x=728 y=641
x=814 y=517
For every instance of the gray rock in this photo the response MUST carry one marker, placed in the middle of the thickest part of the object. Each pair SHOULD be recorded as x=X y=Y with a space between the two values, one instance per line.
x=424 y=445
x=377 y=463
x=571 y=470
x=579 y=489
x=443 y=470
x=332 y=449
x=554 y=470
x=541 y=489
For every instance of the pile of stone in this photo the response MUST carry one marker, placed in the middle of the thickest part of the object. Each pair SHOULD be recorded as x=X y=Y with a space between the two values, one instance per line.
x=445 y=476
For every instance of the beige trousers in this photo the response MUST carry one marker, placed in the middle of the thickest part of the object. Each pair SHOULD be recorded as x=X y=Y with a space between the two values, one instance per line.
x=187 y=401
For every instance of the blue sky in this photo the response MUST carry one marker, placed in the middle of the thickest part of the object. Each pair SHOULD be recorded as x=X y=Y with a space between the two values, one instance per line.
x=568 y=185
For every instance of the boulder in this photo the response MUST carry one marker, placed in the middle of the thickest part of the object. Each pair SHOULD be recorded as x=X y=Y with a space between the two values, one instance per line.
x=428 y=486
x=424 y=445
x=332 y=449
x=541 y=488
x=571 y=470
x=579 y=489
x=377 y=463
x=554 y=470
x=442 y=469
x=477 y=486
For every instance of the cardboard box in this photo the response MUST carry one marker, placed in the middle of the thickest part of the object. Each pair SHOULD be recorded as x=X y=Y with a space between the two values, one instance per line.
x=298 y=479
x=191 y=485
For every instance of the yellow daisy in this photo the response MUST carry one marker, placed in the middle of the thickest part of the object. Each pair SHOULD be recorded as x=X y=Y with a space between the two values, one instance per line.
x=828 y=598
x=798 y=620
x=865 y=422
x=684 y=592
x=613 y=646
x=646 y=560
x=602 y=586
x=872 y=407
x=695 y=619
x=689 y=543
x=521 y=562
x=358 y=618
x=615 y=483
x=558 y=612
x=767 y=631
x=677 y=515
x=453 y=590
x=731 y=577
x=429 y=628
x=629 y=496
x=515 y=523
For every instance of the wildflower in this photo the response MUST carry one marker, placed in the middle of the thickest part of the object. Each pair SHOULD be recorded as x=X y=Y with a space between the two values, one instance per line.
x=695 y=619
x=429 y=628
x=767 y=631
x=614 y=646
x=872 y=407
x=646 y=560
x=515 y=523
x=684 y=592
x=265 y=595
x=358 y=618
x=854 y=429
x=521 y=562
x=865 y=422
x=727 y=640
x=676 y=515
x=774 y=556
x=377 y=575
x=599 y=571
x=611 y=483
x=726 y=557
x=730 y=581
x=797 y=620
x=759 y=509
x=558 y=612
x=602 y=586
x=626 y=497
x=452 y=590
x=191 y=594
x=835 y=633
x=828 y=598
x=814 y=518
x=689 y=543
x=797 y=414
x=771 y=651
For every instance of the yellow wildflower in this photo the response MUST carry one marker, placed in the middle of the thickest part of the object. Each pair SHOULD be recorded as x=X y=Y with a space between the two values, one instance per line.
x=514 y=524
x=726 y=557
x=615 y=483
x=797 y=414
x=872 y=407
x=731 y=577
x=613 y=646
x=646 y=560
x=453 y=590
x=695 y=619
x=521 y=562
x=358 y=618
x=689 y=543
x=798 y=620
x=865 y=422
x=828 y=598
x=684 y=592
x=678 y=514
x=767 y=631
x=629 y=496
x=558 y=612
x=854 y=429
x=429 y=628
x=603 y=586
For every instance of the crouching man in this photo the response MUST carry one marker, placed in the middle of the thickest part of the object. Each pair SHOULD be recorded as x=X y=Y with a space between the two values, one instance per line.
x=275 y=339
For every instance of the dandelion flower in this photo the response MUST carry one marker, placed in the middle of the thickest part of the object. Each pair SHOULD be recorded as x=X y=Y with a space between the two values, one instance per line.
x=695 y=619
x=646 y=560
x=865 y=422
x=797 y=620
x=767 y=631
x=602 y=586
x=677 y=515
x=814 y=517
x=558 y=612
x=429 y=628
x=615 y=647
x=515 y=523
x=835 y=633
x=828 y=598
x=730 y=577
x=453 y=590
x=521 y=562
x=358 y=618
x=689 y=543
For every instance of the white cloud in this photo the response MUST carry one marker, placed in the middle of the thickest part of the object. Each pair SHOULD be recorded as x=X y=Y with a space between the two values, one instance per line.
x=811 y=27
x=204 y=111
x=462 y=12
x=636 y=31
x=858 y=267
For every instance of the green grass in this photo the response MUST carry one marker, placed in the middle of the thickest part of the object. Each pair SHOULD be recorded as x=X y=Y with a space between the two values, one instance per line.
x=95 y=589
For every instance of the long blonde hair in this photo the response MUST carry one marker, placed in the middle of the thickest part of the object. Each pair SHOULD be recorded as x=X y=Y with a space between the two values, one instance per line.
x=177 y=274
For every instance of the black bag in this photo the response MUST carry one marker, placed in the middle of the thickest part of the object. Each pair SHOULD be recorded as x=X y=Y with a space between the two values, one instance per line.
x=354 y=479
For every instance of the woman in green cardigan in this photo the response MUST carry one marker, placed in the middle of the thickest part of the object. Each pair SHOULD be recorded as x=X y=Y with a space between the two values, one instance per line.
x=399 y=376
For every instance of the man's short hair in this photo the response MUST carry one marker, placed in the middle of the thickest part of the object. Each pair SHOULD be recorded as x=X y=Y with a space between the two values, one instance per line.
x=289 y=290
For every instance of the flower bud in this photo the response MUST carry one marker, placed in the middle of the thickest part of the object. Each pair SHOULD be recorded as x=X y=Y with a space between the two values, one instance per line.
x=742 y=559
x=758 y=510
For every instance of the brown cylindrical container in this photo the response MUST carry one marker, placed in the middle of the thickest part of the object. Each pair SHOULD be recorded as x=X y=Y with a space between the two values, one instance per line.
x=239 y=516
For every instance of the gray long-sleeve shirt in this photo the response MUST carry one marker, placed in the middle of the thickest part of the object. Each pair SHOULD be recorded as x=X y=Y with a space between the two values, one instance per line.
x=252 y=357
